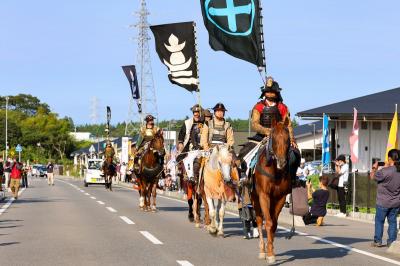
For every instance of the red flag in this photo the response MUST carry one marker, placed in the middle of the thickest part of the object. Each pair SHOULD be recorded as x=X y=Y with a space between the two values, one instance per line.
x=354 y=139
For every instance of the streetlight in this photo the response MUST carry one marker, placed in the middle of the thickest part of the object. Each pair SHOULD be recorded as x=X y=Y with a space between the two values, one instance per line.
x=7 y=98
x=313 y=124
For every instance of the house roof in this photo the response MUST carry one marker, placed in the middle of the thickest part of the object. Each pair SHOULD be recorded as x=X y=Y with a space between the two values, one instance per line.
x=99 y=146
x=307 y=129
x=378 y=105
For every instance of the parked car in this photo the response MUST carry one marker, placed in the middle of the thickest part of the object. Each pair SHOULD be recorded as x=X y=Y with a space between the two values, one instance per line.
x=39 y=170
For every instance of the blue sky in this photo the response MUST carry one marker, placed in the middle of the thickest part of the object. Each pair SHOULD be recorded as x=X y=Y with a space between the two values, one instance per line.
x=320 y=52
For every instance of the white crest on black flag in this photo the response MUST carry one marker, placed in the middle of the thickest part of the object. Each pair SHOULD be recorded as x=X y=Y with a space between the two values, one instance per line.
x=130 y=72
x=175 y=45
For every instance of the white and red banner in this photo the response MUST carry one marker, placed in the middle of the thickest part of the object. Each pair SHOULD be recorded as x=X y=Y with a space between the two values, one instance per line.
x=354 y=139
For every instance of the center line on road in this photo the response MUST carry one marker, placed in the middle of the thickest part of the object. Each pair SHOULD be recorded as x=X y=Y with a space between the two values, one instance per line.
x=111 y=209
x=151 y=238
x=184 y=263
x=100 y=202
x=92 y=197
x=87 y=194
x=126 y=220
x=81 y=190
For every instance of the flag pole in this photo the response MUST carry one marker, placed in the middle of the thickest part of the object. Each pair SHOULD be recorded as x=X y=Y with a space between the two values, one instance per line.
x=264 y=60
x=197 y=67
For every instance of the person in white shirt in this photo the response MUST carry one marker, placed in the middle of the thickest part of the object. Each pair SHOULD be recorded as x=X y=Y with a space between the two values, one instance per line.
x=302 y=171
x=342 y=170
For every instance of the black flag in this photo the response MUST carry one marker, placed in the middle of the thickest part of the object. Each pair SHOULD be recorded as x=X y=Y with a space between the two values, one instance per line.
x=234 y=27
x=130 y=72
x=176 y=47
x=108 y=114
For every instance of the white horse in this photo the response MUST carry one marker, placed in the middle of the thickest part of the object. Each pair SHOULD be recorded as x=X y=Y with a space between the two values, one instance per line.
x=218 y=170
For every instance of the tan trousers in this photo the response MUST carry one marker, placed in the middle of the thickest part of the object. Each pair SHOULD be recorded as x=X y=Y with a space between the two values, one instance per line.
x=50 y=179
x=14 y=185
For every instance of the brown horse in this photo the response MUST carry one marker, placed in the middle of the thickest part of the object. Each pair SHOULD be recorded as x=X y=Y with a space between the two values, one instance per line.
x=272 y=184
x=194 y=188
x=109 y=172
x=150 y=170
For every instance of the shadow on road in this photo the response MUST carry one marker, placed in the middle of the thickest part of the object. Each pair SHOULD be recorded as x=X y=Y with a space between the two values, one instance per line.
x=8 y=244
x=173 y=209
x=305 y=254
x=31 y=200
x=9 y=221
x=10 y=226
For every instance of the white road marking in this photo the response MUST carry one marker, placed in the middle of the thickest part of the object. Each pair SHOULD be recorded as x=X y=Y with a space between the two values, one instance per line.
x=184 y=263
x=335 y=244
x=87 y=194
x=82 y=191
x=100 y=202
x=151 y=238
x=111 y=209
x=93 y=197
x=126 y=220
x=9 y=202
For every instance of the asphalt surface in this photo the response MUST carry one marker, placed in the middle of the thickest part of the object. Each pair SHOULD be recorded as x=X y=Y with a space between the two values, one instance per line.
x=68 y=224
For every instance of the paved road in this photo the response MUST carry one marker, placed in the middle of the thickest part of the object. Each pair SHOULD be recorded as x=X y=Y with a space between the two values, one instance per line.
x=71 y=225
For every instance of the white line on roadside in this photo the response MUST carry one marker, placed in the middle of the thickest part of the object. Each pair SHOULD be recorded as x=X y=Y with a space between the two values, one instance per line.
x=151 y=238
x=100 y=202
x=335 y=244
x=111 y=209
x=126 y=220
x=184 y=263
x=93 y=197
x=9 y=202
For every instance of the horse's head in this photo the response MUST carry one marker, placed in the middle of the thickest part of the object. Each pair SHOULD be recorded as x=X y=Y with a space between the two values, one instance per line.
x=224 y=159
x=157 y=143
x=280 y=143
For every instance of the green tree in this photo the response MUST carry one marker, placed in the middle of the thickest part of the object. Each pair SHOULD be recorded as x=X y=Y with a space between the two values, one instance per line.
x=24 y=103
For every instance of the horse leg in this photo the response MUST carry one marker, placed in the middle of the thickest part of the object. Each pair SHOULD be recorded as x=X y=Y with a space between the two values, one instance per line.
x=196 y=210
x=221 y=212
x=259 y=221
x=142 y=194
x=207 y=220
x=154 y=194
x=212 y=228
x=148 y=197
x=110 y=184
x=265 y=203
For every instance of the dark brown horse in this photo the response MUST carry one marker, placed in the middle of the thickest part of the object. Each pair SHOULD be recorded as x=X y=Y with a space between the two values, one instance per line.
x=194 y=189
x=151 y=168
x=272 y=184
x=109 y=172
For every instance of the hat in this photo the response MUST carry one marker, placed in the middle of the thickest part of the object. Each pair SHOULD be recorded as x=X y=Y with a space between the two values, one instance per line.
x=195 y=108
x=219 y=107
x=271 y=86
x=207 y=113
x=341 y=158
x=149 y=118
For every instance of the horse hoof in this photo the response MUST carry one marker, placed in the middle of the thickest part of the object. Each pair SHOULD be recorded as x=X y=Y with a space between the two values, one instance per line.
x=154 y=209
x=212 y=231
x=262 y=256
x=221 y=234
x=197 y=225
x=271 y=259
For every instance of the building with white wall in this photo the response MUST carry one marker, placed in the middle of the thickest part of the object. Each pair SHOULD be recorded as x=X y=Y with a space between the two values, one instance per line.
x=375 y=114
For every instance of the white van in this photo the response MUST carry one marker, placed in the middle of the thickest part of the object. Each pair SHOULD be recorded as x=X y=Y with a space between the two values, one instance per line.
x=93 y=172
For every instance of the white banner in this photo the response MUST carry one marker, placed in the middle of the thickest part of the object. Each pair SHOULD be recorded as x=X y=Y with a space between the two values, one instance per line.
x=125 y=150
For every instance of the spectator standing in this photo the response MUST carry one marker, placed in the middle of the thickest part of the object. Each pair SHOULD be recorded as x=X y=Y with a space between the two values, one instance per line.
x=15 y=180
x=7 y=173
x=1 y=173
x=342 y=171
x=25 y=176
x=319 y=199
x=387 y=197
x=117 y=169
x=50 y=174
x=122 y=171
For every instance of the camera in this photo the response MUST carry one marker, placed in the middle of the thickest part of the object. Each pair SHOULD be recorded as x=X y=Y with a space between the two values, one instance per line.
x=374 y=160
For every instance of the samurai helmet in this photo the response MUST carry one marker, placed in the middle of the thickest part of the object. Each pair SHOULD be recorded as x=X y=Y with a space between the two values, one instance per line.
x=149 y=118
x=195 y=108
x=207 y=113
x=219 y=107
x=271 y=86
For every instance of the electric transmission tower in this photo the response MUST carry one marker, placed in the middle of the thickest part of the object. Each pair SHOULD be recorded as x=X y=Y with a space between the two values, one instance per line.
x=145 y=75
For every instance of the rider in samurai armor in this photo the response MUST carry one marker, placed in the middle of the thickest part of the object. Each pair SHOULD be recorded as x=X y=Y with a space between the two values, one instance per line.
x=147 y=133
x=189 y=140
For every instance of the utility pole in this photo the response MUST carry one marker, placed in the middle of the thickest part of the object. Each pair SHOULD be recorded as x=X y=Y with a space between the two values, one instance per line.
x=7 y=98
x=145 y=77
